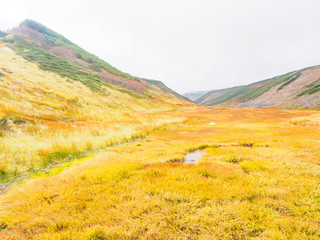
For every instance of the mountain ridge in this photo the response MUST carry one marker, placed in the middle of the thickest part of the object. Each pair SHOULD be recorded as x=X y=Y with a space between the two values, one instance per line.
x=296 y=89
x=57 y=105
x=53 y=52
x=195 y=95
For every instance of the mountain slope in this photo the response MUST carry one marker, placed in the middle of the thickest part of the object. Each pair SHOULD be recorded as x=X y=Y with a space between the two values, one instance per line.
x=297 y=89
x=59 y=107
x=193 y=96
x=164 y=88
x=55 y=53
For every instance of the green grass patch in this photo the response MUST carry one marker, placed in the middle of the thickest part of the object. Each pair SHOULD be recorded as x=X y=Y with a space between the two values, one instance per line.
x=200 y=147
x=247 y=93
x=176 y=160
x=131 y=93
x=50 y=62
x=246 y=144
x=290 y=79
x=230 y=95
x=3 y=170
x=58 y=156
x=64 y=42
x=62 y=167
x=311 y=88
x=254 y=93
x=232 y=159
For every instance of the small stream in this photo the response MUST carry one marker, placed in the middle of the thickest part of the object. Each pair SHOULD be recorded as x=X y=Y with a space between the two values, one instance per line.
x=194 y=157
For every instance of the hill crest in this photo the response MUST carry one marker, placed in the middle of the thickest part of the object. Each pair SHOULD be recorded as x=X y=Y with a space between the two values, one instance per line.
x=53 y=52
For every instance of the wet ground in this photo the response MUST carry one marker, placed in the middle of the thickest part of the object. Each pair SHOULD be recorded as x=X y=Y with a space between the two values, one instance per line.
x=194 y=157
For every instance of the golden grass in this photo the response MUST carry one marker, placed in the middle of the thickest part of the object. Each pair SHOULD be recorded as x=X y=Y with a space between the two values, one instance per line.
x=46 y=119
x=259 y=179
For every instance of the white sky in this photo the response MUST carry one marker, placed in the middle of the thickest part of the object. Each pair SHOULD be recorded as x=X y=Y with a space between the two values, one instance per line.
x=189 y=45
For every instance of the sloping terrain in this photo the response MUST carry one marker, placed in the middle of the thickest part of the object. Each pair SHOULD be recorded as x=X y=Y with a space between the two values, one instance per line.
x=165 y=89
x=193 y=96
x=298 y=89
x=88 y=152
x=55 y=53
x=56 y=105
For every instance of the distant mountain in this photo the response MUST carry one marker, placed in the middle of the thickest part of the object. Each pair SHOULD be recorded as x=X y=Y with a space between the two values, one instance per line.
x=3 y=34
x=193 y=96
x=55 y=53
x=297 y=89
x=164 y=88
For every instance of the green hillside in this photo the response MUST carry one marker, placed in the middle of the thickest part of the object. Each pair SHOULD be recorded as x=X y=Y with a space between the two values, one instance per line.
x=60 y=40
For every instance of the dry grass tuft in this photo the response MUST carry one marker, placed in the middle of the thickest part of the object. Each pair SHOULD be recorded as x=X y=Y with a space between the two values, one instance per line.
x=265 y=191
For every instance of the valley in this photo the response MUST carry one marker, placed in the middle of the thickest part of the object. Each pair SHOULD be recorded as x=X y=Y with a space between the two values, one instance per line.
x=46 y=119
x=258 y=179
x=90 y=152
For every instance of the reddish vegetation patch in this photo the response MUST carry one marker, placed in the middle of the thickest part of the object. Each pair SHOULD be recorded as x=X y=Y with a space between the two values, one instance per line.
x=33 y=34
x=64 y=52
x=256 y=85
x=259 y=84
x=35 y=37
x=85 y=64
x=72 y=56
x=138 y=87
x=143 y=83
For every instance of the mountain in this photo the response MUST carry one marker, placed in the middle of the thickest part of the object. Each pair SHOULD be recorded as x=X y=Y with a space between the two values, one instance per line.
x=164 y=88
x=95 y=153
x=3 y=34
x=297 y=89
x=59 y=102
x=53 y=52
x=193 y=96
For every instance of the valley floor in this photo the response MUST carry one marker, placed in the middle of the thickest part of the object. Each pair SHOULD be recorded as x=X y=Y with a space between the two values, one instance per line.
x=259 y=179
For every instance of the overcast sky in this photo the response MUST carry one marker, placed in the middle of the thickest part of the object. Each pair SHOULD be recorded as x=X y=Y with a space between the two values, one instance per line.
x=189 y=45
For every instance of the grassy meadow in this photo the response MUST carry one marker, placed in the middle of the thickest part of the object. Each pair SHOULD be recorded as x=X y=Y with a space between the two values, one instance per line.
x=46 y=119
x=259 y=179
x=81 y=158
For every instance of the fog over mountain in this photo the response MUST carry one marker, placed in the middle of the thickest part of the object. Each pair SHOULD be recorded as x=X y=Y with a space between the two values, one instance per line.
x=189 y=45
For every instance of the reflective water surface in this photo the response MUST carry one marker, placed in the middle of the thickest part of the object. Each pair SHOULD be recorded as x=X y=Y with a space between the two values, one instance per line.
x=192 y=158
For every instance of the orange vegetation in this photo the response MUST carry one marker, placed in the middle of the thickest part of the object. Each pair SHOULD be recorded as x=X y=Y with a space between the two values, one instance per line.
x=259 y=179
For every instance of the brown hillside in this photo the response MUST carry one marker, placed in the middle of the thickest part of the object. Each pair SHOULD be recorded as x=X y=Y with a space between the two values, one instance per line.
x=297 y=89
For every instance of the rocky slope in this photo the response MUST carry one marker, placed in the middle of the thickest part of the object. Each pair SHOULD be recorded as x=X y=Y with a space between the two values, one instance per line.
x=297 y=89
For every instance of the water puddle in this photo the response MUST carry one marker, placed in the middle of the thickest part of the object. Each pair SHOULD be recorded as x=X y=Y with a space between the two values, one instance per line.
x=194 y=157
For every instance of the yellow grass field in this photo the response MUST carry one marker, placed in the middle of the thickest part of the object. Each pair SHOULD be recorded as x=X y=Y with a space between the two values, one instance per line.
x=46 y=119
x=259 y=179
